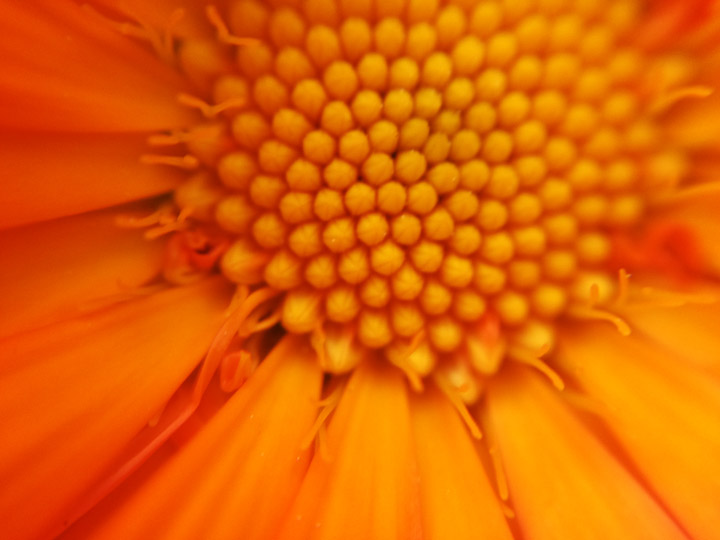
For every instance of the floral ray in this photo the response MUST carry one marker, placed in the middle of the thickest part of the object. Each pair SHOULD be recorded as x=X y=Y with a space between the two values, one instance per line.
x=683 y=320
x=46 y=176
x=238 y=473
x=457 y=499
x=366 y=484
x=72 y=394
x=62 y=69
x=665 y=413
x=54 y=271
x=563 y=482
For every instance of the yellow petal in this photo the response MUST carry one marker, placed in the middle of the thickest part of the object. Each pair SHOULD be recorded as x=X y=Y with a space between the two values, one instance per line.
x=563 y=482
x=367 y=485
x=457 y=499
x=665 y=414
x=72 y=394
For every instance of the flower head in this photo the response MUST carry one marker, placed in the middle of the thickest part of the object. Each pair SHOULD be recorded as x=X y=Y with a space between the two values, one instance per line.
x=396 y=269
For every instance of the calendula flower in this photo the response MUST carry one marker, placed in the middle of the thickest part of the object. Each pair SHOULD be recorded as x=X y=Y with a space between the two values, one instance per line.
x=359 y=269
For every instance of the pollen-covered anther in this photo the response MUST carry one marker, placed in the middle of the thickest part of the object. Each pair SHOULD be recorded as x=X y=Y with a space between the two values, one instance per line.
x=244 y=262
x=407 y=283
x=435 y=298
x=296 y=207
x=374 y=329
x=512 y=307
x=284 y=271
x=340 y=80
x=321 y=272
x=406 y=229
x=418 y=358
x=354 y=265
x=235 y=214
x=445 y=333
x=378 y=168
x=269 y=230
x=340 y=352
x=339 y=235
x=302 y=310
x=387 y=258
x=375 y=291
x=305 y=240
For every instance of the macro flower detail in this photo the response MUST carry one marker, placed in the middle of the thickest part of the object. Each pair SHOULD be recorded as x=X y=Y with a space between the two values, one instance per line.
x=359 y=269
x=430 y=191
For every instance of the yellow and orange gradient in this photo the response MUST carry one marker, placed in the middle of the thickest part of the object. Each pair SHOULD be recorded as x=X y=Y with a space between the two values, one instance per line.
x=360 y=269
x=438 y=183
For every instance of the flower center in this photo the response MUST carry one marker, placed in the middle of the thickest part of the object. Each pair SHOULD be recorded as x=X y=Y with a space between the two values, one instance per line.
x=429 y=180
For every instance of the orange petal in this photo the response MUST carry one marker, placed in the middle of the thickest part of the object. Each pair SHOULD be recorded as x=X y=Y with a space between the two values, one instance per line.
x=158 y=14
x=563 y=482
x=62 y=68
x=668 y=20
x=687 y=325
x=457 y=499
x=694 y=122
x=51 y=271
x=679 y=238
x=665 y=414
x=366 y=486
x=240 y=471
x=698 y=215
x=72 y=394
x=49 y=176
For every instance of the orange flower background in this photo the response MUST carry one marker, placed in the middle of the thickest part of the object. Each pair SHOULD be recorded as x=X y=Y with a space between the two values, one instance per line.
x=359 y=269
